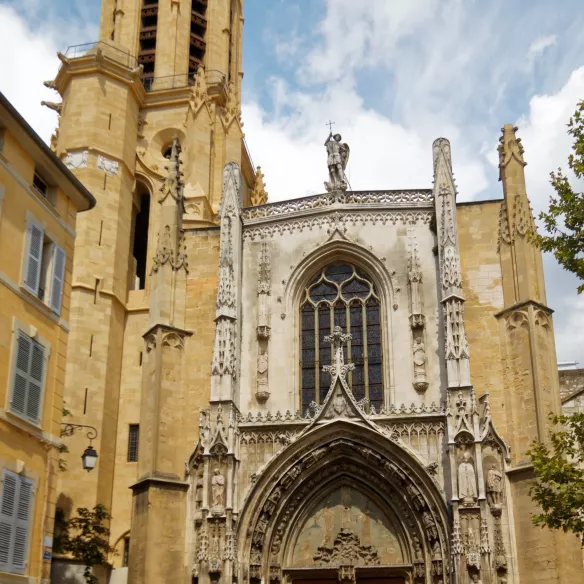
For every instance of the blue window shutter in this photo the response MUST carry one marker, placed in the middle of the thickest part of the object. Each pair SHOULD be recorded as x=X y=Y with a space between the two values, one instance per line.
x=22 y=525
x=59 y=260
x=34 y=258
x=7 y=518
x=20 y=387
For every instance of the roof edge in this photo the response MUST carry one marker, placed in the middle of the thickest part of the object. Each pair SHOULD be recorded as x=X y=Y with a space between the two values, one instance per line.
x=44 y=150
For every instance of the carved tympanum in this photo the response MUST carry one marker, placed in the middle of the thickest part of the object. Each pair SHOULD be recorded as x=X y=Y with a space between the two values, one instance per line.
x=346 y=549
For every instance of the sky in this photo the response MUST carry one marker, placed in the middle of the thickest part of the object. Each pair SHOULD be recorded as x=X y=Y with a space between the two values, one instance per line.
x=393 y=75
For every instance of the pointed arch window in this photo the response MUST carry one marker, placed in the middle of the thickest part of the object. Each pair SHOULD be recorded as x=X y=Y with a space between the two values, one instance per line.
x=341 y=295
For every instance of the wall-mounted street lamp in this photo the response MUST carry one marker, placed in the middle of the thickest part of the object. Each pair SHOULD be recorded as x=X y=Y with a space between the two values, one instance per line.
x=89 y=457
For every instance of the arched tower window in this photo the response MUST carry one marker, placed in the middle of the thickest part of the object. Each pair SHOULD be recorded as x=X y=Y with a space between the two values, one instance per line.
x=140 y=243
x=341 y=295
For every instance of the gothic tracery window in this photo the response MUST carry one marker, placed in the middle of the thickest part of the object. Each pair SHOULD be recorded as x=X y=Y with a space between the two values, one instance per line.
x=341 y=295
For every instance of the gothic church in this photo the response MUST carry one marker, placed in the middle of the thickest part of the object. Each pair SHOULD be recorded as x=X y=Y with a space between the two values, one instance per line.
x=339 y=387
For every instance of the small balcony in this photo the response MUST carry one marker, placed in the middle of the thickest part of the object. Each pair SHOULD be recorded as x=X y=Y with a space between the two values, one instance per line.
x=152 y=83
x=149 y=11
x=109 y=52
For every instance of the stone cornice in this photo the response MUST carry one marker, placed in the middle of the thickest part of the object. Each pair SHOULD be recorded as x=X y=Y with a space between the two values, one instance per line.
x=167 y=97
x=351 y=200
x=524 y=304
x=332 y=219
x=161 y=482
x=289 y=419
x=99 y=62
x=168 y=328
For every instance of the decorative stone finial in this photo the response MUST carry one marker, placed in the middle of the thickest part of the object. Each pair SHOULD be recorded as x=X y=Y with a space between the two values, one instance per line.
x=259 y=196
x=510 y=147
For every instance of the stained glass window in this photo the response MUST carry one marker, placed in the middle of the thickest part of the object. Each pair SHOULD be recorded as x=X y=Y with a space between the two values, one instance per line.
x=340 y=295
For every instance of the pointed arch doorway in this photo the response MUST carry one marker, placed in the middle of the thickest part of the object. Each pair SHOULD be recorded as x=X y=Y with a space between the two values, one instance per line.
x=343 y=503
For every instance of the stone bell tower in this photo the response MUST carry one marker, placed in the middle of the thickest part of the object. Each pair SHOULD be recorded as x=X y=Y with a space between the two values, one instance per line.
x=150 y=116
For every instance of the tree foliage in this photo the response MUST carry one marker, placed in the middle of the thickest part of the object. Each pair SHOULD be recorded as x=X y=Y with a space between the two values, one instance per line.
x=559 y=468
x=564 y=220
x=86 y=538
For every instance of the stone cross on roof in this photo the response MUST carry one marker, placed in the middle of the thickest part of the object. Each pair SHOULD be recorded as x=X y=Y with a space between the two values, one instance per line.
x=339 y=368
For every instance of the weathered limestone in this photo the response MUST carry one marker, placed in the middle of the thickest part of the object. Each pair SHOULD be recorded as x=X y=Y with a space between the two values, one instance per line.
x=114 y=135
x=299 y=456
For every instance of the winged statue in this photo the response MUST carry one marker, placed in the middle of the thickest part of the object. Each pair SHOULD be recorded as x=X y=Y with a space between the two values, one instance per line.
x=337 y=159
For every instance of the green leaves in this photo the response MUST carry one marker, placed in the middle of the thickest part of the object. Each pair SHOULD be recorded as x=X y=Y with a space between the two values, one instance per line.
x=564 y=221
x=86 y=538
x=559 y=468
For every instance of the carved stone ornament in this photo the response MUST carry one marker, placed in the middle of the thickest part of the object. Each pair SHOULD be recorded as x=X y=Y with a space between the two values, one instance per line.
x=419 y=357
x=494 y=486
x=499 y=553
x=107 y=165
x=259 y=196
x=262 y=391
x=75 y=160
x=224 y=359
x=372 y=199
x=337 y=159
x=218 y=489
x=467 y=483
x=226 y=292
x=346 y=549
x=287 y=226
x=347 y=574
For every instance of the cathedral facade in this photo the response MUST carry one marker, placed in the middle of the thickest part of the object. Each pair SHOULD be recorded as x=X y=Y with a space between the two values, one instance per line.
x=340 y=387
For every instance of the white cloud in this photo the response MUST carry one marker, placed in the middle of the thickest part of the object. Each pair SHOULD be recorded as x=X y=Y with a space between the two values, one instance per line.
x=384 y=154
x=538 y=48
x=29 y=59
x=439 y=70
x=29 y=50
x=547 y=147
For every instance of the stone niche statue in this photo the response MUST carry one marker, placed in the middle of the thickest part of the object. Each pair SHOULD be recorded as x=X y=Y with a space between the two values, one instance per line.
x=494 y=486
x=217 y=489
x=419 y=350
x=262 y=392
x=467 y=484
x=337 y=159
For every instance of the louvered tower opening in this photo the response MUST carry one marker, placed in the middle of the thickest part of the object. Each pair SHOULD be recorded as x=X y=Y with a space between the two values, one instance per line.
x=198 y=31
x=147 y=54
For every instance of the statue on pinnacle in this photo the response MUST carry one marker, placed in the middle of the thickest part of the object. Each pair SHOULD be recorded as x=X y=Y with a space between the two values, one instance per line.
x=337 y=159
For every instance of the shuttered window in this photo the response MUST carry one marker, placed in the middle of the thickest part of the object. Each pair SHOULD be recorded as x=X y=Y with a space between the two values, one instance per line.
x=32 y=273
x=58 y=278
x=44 y=270
x=15 y=514
x=27 y=388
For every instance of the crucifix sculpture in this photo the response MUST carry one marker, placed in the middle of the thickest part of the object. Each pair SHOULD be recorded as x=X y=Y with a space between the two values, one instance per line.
x=339 y=368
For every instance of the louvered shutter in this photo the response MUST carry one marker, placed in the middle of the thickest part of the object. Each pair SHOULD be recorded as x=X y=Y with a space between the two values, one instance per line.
x=35 y=382
x=20 y=388
x=7 y=515
x=58 y=278
x=34 y=258
x=21 y=525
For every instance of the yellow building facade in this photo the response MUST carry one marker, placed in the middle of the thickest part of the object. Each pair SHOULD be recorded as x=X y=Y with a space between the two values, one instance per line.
x=202 y=317
x=39 y=202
